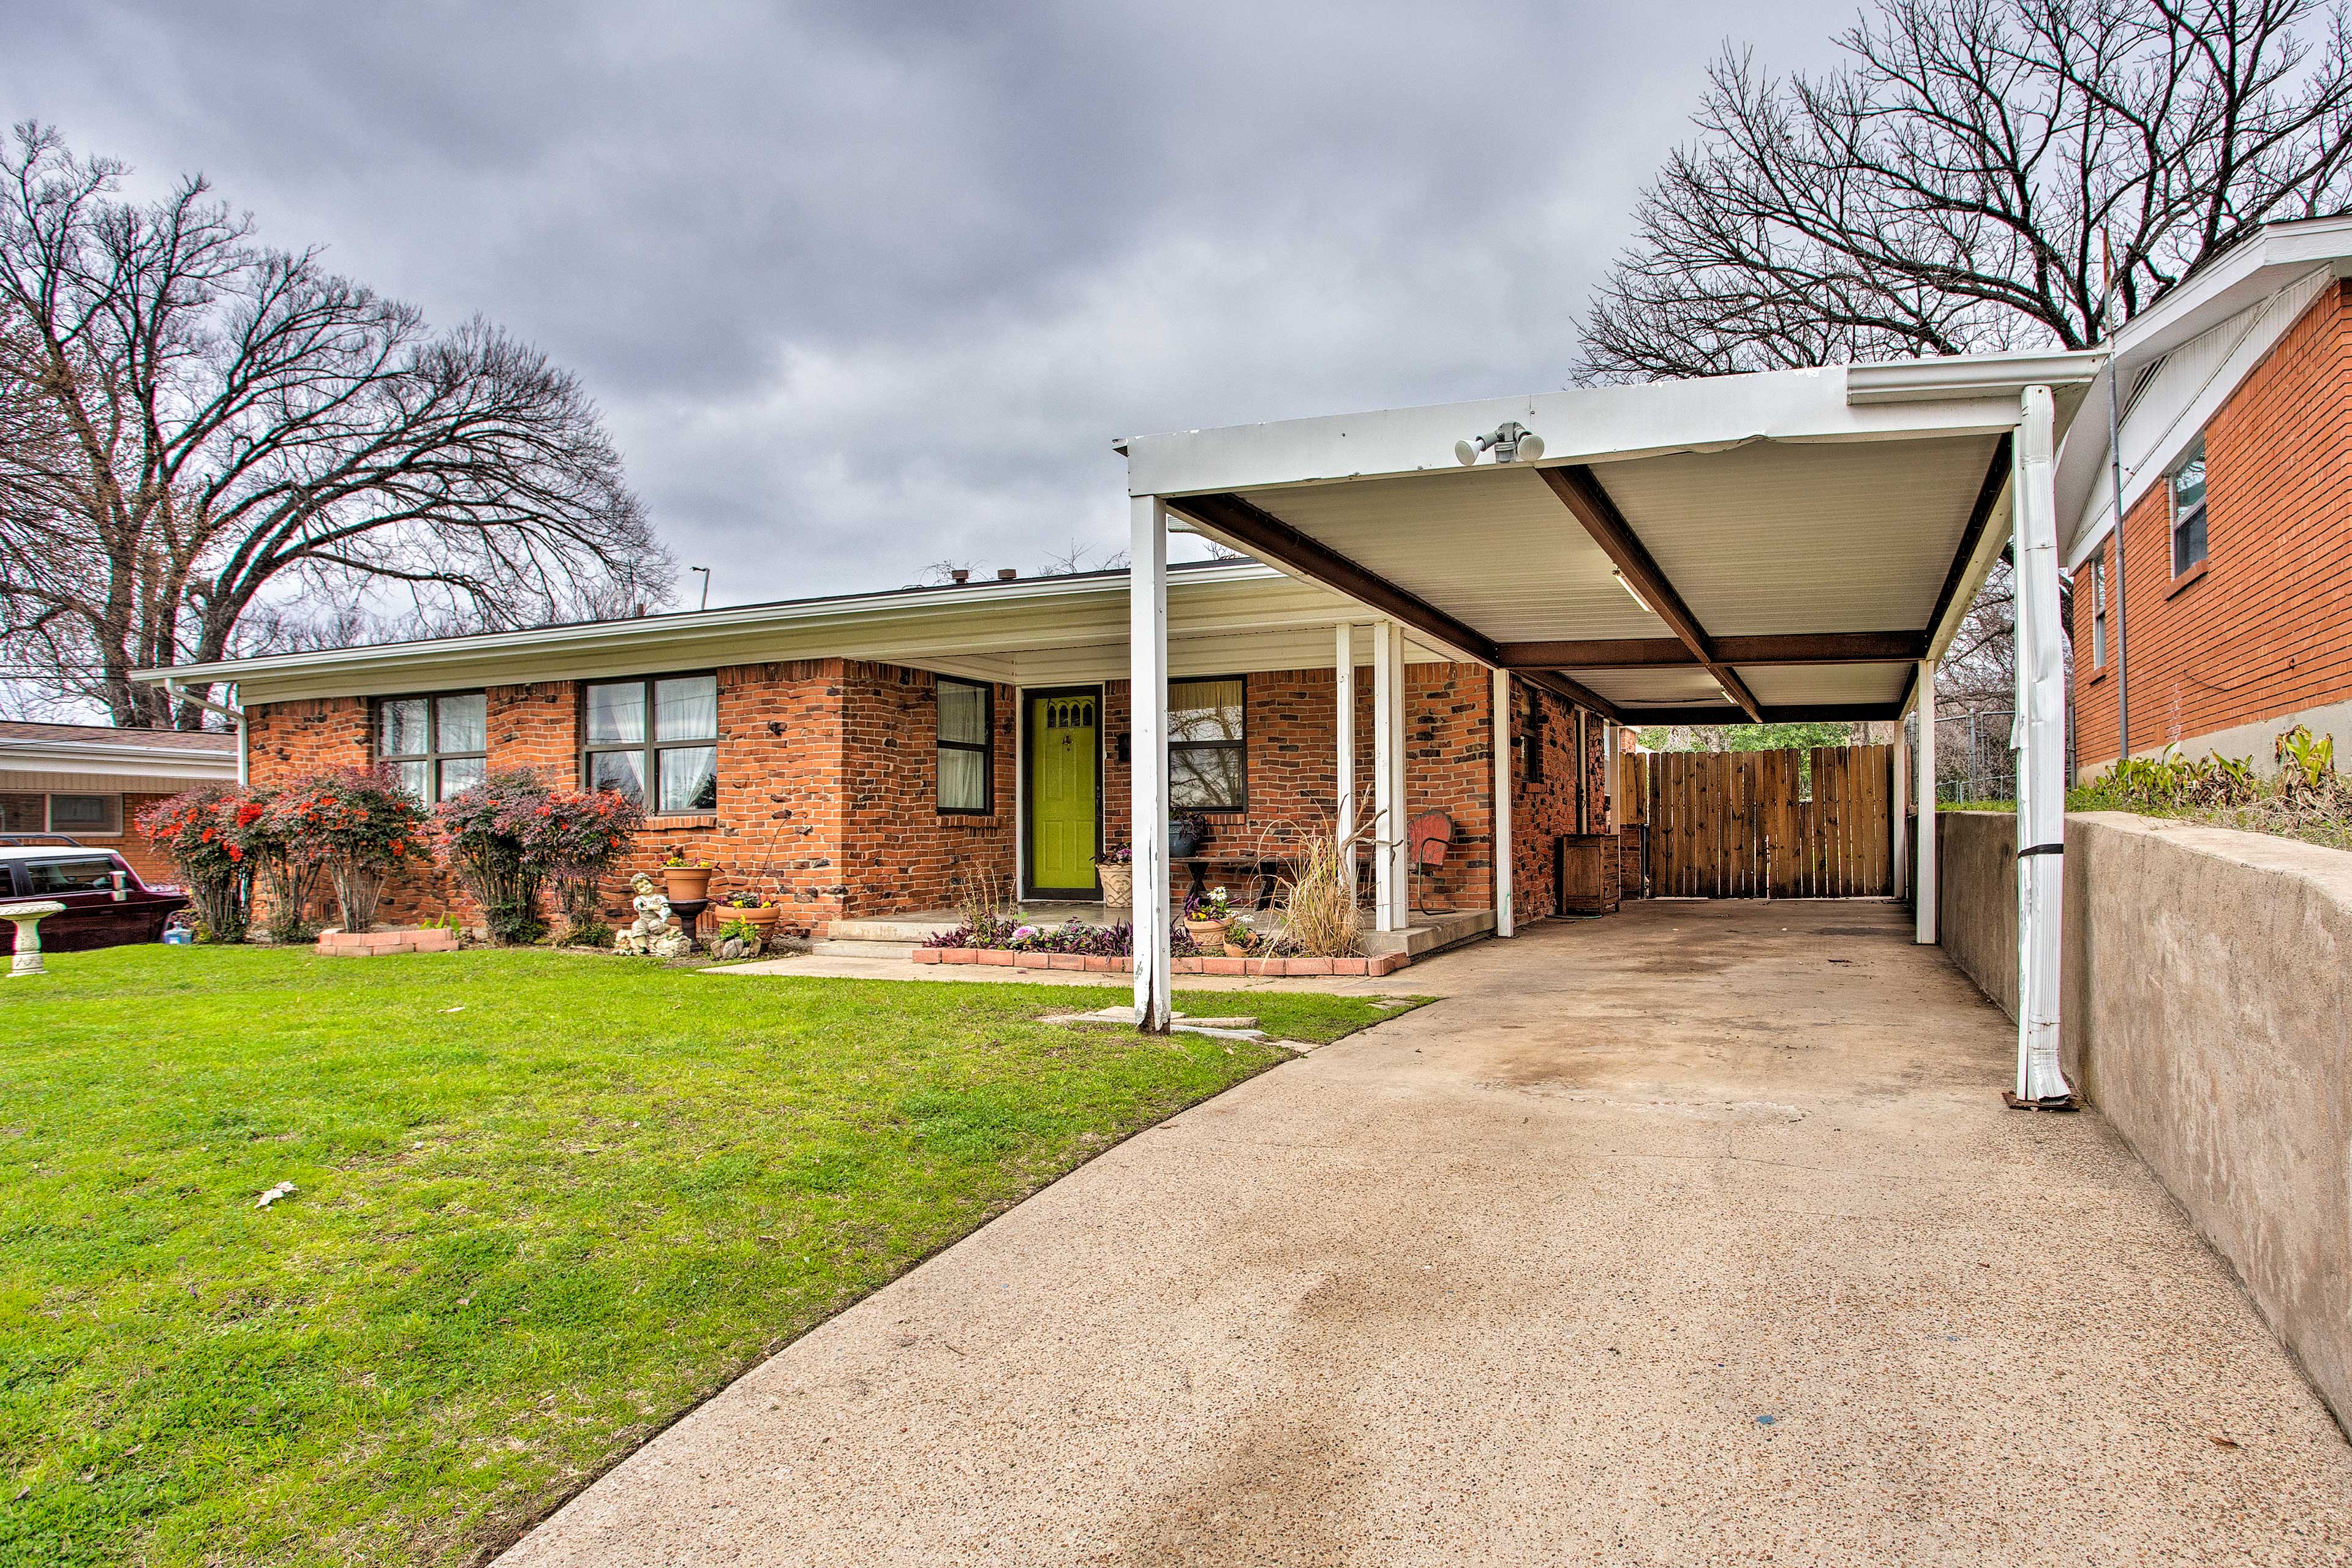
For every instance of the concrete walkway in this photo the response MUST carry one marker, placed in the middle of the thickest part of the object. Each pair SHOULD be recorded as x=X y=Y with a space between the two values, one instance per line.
x=1694 y=1235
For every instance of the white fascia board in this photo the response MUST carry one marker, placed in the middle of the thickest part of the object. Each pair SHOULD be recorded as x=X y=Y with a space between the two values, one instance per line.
x=970 y=619
x=123 y=761
x=2246 y=275
x=1582 y=424
x=1969 y=377
x=2259 y=307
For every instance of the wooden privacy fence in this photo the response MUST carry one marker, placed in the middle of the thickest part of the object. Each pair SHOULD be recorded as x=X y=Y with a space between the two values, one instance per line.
x=1753 y=825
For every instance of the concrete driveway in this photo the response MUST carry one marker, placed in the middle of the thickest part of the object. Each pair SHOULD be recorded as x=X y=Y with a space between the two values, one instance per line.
x=1694 y=1235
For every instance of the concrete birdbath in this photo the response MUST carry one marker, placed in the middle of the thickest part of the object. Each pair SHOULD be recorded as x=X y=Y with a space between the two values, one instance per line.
x=27 y=920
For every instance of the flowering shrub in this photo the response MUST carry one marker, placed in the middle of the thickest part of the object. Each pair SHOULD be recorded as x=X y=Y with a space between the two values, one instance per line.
x=748 y=901
x=361 y=825
x=510 y=834
x=286 y=857
x=197 y=831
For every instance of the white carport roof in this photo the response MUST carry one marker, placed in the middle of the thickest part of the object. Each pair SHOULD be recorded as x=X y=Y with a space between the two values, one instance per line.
x=1799 y=540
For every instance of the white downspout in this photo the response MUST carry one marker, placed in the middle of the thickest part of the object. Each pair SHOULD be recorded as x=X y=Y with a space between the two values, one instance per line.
x=230 y=710
x=1505 y=921
x=1147 y=666
x=2038 y=735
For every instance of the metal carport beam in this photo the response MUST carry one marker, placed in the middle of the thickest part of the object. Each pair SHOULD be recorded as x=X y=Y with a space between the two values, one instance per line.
x=1651 y=653
x=1590 y=505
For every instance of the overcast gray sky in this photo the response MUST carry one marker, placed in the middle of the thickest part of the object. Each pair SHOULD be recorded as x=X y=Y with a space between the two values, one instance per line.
x=862 y=286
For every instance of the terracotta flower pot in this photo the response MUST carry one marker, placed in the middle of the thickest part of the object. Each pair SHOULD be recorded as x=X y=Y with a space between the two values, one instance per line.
x=1118 y=884
x=1209 y=935
x=760 y=919
x=686 y=881
x=1235 y=949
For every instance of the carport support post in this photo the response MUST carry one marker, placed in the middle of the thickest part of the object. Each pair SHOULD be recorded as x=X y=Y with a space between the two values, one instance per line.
x=2038 y=728
x=1502 y=739
x=1388 y=884
x=1900 y=795
x=1147 y=668
x=1343 y=728
x=1922 y=880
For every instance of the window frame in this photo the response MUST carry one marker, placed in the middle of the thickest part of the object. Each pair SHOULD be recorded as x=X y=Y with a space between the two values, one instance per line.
x=2201 y=520
x=648 y=748
x=49 y=812
x=432 y=756
x=2099 y=609
x=987 y=749
x=1240 y=808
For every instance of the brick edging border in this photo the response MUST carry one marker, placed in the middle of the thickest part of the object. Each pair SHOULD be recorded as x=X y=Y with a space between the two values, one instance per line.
x=1285 y=968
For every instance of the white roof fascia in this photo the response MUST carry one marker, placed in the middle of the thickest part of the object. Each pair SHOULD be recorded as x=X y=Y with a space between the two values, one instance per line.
x=884 y=623
x=1607 y=423
x=2256 y=308
x=114 y=760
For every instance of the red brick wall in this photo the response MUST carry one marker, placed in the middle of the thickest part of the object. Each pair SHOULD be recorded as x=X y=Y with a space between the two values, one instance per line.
x=1293 y=772
x=2265 y=628
x=133 y=846
x=1543 y=809
x=898 y=853
x=827 y=788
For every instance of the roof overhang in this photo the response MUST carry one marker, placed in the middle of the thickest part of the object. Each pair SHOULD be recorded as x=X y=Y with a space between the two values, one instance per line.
x=1803 y=537
x=2259 y=285
x=129 y=764
x=1228 y=617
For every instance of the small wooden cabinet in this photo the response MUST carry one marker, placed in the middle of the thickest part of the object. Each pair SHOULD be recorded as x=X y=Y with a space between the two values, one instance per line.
x=1582 y=883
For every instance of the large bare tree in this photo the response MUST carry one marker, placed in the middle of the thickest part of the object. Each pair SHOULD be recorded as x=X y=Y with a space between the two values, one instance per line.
x=1979 y=175
x=210 y=447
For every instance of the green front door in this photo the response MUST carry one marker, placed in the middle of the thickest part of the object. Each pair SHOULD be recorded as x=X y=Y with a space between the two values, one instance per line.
x=1064 y=786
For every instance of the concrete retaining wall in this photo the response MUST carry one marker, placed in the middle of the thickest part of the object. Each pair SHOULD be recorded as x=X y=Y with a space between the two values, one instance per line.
x=2208 y=980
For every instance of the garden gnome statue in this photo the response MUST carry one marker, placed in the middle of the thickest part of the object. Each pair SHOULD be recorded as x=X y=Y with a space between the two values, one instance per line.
x=26 y=917
x=651 y=933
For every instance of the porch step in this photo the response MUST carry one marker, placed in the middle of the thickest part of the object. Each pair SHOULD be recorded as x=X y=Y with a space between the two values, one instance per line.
x=837 y=948
x=1432 y=933
x=902 y=933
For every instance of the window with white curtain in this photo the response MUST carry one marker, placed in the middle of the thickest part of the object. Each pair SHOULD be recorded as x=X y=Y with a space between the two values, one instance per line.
x=967 y=747
x=655 y=741
x=437 y=747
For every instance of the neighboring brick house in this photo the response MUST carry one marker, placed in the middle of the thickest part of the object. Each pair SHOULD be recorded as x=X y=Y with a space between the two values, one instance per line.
x=2236 y=616
x=89 y=782
x=883 y=753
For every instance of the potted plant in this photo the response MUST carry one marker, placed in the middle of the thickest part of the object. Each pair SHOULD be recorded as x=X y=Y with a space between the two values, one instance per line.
x=749 y=940
x=685 y=878
x=1186 y=835
x=754 y=910
x=1115 y=872
x=1205 y=918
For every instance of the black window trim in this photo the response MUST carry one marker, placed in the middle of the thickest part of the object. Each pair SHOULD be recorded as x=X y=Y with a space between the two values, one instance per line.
x=1241 y=807
x=432 y=756
x=649 y=748
x=987 y=748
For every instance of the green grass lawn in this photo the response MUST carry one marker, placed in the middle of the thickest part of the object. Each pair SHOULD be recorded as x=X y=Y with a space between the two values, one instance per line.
x=544 y=1204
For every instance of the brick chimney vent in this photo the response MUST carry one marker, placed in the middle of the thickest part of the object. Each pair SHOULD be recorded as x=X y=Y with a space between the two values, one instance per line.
x=962 y=574
x=1006 y=574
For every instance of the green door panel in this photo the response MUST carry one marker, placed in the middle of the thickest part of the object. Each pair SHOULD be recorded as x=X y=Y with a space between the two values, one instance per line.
x=1064 y=772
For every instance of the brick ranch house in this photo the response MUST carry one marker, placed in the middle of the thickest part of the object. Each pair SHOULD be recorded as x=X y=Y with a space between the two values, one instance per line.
x=90 y=782
x=877 y=754
x=2231 y=618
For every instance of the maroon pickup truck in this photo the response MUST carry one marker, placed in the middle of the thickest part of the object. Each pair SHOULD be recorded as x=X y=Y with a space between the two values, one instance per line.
x=106 y=904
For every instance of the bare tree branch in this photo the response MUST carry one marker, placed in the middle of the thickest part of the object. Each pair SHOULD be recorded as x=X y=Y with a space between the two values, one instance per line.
x=209 y=447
